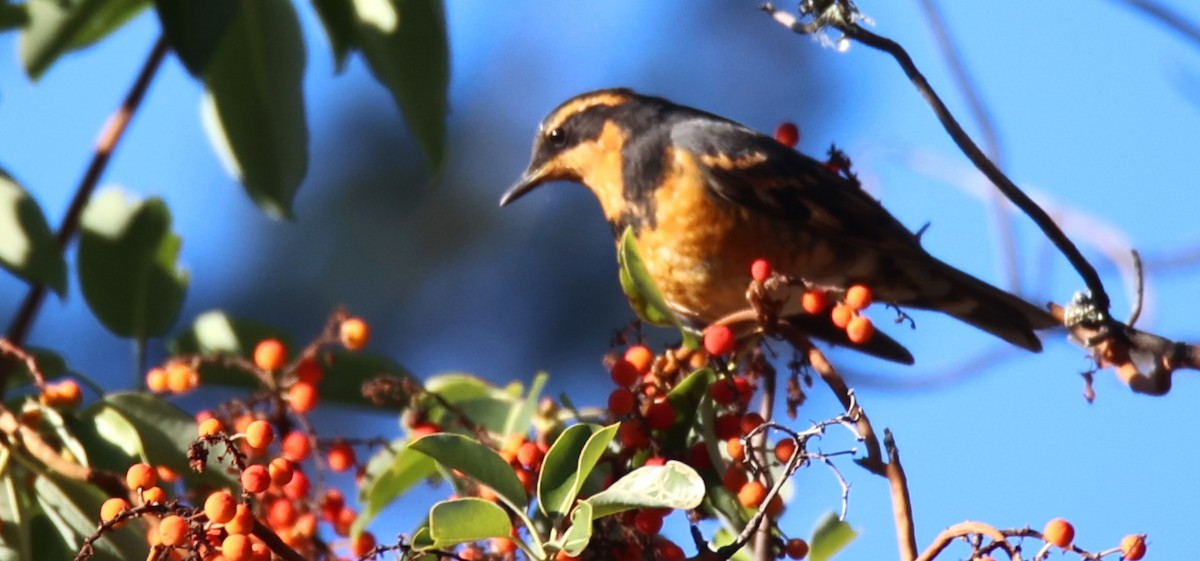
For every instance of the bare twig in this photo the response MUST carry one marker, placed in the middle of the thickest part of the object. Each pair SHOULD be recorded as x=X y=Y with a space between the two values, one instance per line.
x=1168 y=17
x=107 y=142
x=1139 y=290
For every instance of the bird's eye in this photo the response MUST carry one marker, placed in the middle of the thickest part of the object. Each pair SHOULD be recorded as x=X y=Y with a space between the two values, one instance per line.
x=556 y=136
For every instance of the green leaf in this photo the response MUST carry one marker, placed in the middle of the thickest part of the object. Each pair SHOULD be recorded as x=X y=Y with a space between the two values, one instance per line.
x=685 y=399
x=16 y=540
x=12 y=16
x=575 y=539
x=194 y=28
x=74 y=508
x=521 y=416
x=404 y=42
x=28 y=248
x=340 y=21
x=673 y=485
x=467 y=520
x=51 y=364
x=485 y=405
x=568 y=463
x=254 y=103
x=388 y=476
x=127 y=265
x=57 y=26
x=477 y=461
x=647 y=302
x=830 y=536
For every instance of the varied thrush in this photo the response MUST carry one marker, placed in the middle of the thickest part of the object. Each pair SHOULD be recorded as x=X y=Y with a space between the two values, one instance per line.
x=706 y=196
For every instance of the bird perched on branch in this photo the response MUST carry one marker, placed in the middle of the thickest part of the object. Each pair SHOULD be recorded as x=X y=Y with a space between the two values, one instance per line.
x=705 y=197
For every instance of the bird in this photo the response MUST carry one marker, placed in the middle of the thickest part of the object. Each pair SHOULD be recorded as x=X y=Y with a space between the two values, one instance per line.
x=705 y=196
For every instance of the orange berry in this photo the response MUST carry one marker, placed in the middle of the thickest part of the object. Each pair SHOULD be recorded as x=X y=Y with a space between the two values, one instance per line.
x=719 y=340
x=859 y=330
x=526 y=478
x=530 y=455
x=354 y=333
x=504 y=546
x=1133 y=547
x=749 y=422
x=787 y=134
x=152 y=495
x=259 y=551
x=641 y=357
x=281 y=513
x=332 y=504
x=796 y=548
x=734 y=479
x=858 y=297
x=784 y=450
x=1059 y=532
x=140 y=476
x=259 y=434
x=63 y=394
x=752 y=494
x=166 y=474
x=156 y=380
x=298 y=487
x=363 y=545
x=256 y=479
x=814 y=301
x=209 y=427
x=737 y=451
x=242 y=521
x=280 y=470
x=660 y=415
x=841 y=315
x=113 y=507
x=181 y=378
x=760 y=270
x=236 y=547
x=620 y=402
x=341 y=457
x=648 y=521
x=270 y=354
x=624 y=373
x=423 y=429
x=173 y=530
x=345 y=518
x=220 y=507
x=296 y=446
x=309 y=370
x=303 y=397
x=306 y=525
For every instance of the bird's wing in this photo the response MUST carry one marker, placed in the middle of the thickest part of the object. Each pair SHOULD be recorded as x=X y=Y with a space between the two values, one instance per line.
x=764 y=176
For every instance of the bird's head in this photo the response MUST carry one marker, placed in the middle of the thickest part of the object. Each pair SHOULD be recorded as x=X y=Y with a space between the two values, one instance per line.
x=581 y=141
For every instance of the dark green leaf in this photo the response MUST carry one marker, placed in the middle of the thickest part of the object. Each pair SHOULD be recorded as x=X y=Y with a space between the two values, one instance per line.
x=27 y=245
x=57 y=26
x=254 y=103
x=568 y=463
x=685 y=399
x=194 y=28
x=404 y=42
x=74 y=508
x=51 y=364
x=674 y=485
x=830 y=536
x=467 y=520
x=477 y=461
x=388 y=476
x=339 y=20
x=13 y=16
x=214 y=333
x=127 y=265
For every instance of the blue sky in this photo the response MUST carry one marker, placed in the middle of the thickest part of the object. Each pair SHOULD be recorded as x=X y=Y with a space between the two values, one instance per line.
x=1098 y=112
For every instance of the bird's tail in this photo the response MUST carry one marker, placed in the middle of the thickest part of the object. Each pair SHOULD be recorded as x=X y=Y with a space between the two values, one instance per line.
x=984 y=306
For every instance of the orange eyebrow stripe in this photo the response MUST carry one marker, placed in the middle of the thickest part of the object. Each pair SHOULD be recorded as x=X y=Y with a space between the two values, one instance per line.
x=610 y=99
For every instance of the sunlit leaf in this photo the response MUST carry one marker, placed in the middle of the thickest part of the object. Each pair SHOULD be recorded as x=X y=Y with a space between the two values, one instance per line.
x=127 y=265
x=28 y=247
x=673 y=485
x=830 y=536
x=467 y=520
x=568 y=463
x=577 y=536
x=74 y=508
x=254 y=103
x=57 y=26
x=388 y=476
x=477 y=461
x=643 y=295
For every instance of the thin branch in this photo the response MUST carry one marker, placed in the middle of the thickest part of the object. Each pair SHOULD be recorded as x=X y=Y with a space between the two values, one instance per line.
x=846 y=23
x=1168 y=17
x=110 y=137
x=1139 y=290
x=906 y=534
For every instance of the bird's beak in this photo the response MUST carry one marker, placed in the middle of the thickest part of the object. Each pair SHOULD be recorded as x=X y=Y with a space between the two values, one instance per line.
x=528 y=182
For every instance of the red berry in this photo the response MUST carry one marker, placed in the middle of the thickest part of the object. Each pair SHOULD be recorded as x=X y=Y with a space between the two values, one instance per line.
x=784 y=450
x=718 y=340
x=270 y=354
x=749 y=422
x=723 y=391
x=660 y=415
x=760 y=270
x=633 y=434
x=728 y=425
x=1059 y=532
x=796 y=548
x=303 y=397
x=841 y=315
x=814 y=301
x=620 y=402
x=341 y=457
x=256 y=479
x=624 y=373
x=1133 y=547
x=859 y=330
x=648 y=521
x=787 y=134
x=296 y=446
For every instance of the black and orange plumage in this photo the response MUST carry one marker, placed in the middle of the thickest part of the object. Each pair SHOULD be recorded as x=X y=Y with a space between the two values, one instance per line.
x=705 y=196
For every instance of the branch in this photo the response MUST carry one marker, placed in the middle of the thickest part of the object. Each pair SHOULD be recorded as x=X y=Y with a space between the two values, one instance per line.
x=106 y=143
x=841 y=15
